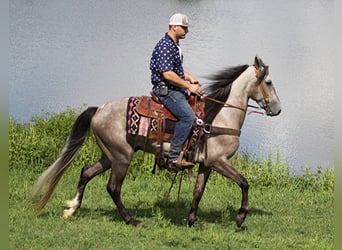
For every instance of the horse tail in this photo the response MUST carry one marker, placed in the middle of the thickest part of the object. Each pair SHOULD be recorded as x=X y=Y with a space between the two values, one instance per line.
x=53 y=174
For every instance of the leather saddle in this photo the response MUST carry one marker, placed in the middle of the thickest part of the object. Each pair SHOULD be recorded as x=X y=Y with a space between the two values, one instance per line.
x=150 y=106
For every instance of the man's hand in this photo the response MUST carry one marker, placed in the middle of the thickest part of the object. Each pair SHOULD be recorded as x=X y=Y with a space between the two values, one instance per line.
x=195 y=88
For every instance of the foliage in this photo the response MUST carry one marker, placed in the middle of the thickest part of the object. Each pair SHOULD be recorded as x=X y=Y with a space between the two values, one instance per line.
x=275 y=172
x=37 y=144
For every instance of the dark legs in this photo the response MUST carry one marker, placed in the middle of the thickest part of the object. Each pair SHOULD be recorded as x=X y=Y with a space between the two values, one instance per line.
x=87 y=173
x=118 y=174
x=202 y=178
x=114 y=189
x=223 y=167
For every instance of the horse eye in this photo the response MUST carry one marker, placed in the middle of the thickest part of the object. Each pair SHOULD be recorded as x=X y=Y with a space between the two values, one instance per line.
x=269 y=82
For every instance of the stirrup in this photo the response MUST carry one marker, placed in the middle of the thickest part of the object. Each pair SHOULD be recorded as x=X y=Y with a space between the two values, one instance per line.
x=181 y=162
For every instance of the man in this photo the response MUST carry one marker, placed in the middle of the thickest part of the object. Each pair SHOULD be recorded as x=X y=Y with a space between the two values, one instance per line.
x=172 y=85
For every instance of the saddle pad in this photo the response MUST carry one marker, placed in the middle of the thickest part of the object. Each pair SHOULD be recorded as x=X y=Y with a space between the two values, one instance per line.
x=137 y=124
x=140 y=120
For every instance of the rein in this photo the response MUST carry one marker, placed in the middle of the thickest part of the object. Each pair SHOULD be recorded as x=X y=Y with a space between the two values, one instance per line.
x=227 y=105
x=265 y=103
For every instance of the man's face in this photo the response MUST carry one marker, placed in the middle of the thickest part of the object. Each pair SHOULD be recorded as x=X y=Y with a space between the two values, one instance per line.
x=181 y=31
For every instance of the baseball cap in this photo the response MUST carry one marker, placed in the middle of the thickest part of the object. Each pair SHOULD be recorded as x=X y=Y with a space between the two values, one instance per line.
x=179 y=19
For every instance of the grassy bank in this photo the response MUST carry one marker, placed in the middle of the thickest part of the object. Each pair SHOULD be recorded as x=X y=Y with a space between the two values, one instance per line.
x=287 y=212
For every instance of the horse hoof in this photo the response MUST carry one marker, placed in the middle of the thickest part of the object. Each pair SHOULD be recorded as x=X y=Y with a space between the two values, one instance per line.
x=240 y=218
x=140 y=225
x=66 y=214
x=191 y=221
x=136 y=223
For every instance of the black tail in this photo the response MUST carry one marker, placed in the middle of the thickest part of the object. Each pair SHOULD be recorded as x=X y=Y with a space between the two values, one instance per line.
x=78 y=134
x=53 y=174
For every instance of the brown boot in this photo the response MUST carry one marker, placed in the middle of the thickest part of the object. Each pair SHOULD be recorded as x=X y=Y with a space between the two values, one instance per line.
x=180 y=164
x=176 y=166
x=184 y=164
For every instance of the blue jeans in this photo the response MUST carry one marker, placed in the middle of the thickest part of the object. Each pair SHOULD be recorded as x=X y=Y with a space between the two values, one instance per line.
x=178 y=105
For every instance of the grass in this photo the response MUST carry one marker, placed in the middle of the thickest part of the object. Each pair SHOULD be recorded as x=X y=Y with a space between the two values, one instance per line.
x=278 y=219
x=286 y=212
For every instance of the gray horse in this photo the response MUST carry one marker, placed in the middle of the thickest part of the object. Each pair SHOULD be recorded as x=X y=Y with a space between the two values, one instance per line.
x=226 y=104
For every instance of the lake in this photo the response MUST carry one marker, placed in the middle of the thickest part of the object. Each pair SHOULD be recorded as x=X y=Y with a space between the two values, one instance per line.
x=76 y=53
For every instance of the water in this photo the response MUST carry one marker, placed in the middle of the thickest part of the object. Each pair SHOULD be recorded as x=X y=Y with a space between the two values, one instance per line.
x=75 y=53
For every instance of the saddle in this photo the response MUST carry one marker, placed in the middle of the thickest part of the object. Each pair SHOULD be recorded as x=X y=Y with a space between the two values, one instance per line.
x=151 y=107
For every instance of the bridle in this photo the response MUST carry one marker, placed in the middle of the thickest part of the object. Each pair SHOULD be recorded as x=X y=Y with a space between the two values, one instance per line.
x=260 y=75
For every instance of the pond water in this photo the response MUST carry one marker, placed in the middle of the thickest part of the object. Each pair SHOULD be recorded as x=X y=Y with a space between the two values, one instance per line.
x=75 y=53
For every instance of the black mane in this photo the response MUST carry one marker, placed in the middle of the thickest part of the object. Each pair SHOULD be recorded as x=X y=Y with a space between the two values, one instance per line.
x=219 y=89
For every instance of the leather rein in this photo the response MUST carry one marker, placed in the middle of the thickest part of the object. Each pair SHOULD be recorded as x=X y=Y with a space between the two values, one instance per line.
x=227 y=105
x=212 y=130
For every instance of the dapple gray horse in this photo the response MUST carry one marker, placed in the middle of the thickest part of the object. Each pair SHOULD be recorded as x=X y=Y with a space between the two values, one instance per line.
x=226 y=104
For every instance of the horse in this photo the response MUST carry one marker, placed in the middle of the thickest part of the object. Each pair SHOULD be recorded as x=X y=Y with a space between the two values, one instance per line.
x=226 y=102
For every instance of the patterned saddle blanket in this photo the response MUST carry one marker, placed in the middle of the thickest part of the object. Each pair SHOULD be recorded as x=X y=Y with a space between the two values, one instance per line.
x=144 y=116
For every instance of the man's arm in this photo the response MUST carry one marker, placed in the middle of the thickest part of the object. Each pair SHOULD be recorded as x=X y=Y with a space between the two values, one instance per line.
x=189 y=77
x=179 y=82
x=172 y=77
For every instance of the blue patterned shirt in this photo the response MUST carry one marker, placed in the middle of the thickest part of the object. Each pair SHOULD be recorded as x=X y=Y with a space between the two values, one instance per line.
x=166 y=57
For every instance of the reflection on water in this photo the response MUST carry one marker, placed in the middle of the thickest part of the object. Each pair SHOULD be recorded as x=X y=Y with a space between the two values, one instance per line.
x=71 y=53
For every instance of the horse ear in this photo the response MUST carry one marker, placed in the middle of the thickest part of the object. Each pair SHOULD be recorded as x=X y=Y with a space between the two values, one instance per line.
x=257 y=61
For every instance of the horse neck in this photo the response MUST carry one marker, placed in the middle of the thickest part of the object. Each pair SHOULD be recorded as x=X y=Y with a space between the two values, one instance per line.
x=238 y=97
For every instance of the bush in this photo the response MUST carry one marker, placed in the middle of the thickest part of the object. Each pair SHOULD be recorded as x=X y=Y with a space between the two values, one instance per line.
x=37 y=145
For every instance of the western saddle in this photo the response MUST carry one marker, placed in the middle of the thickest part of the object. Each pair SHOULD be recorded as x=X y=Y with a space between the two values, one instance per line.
x=151 y=107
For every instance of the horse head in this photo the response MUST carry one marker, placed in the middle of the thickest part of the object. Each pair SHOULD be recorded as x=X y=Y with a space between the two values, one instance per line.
x=264 y=93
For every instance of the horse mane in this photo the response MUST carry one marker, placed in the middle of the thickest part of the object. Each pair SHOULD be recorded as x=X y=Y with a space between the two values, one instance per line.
x=219 y=89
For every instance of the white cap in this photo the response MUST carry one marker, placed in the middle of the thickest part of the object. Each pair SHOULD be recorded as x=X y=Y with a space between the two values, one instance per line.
x=179 y=19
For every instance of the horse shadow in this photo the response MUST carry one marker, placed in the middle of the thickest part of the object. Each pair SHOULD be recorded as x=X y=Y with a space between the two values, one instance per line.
x=175 y=212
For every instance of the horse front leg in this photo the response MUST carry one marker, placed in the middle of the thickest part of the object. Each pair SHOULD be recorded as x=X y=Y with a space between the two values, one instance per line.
x=202 y=178
x=87 y=173
x=223 y=167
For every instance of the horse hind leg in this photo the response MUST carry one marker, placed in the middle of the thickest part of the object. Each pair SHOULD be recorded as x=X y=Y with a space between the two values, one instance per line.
x=87 y=173
x=119 y=170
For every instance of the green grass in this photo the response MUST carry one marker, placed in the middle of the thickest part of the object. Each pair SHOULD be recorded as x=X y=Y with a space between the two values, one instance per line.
x=286 y=212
